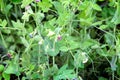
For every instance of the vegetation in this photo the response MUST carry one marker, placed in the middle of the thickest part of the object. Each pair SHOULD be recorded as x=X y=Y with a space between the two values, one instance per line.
x=59 y=40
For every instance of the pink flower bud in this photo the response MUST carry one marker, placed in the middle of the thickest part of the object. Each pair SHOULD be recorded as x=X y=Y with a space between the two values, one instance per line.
x=9 y=55
x=27 y=7
x=37 y=0
x=59 y=37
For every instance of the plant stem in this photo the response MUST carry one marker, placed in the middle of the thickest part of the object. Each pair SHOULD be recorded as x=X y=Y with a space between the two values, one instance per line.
x=16 y=12
x=77 y=71
x=39 y=56
x=113 y=75
x=3 y=40
x=8 y=20
x=48 y=61
x=18 y=77
x=53 y=60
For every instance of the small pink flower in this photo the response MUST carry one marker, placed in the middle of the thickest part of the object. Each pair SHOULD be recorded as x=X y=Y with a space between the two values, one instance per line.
x=59 y=37
x=37 y=0
x=27 y=7
x=9 y=55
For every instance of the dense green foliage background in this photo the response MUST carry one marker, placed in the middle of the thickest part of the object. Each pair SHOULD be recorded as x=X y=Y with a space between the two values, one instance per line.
x=60 y=39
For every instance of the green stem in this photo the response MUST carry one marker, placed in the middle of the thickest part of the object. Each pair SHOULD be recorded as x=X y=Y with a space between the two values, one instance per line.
x=16 y=12
x=113 y=75
x=85 y=32
x=53 y=60
x=8 y=20
x=36 y=8
x=3 y=40
x=48 y=61
x=9 y=28
x=39 y=56
x=18 y=77
x=77 y=71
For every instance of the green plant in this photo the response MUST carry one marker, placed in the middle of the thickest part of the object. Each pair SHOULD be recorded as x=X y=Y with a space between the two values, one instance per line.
x=61 y=39
x=1 y=68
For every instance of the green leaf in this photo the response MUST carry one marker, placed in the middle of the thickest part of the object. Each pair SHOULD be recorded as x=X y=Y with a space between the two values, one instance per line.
x=13 y=67
x=16 y=1
x=18 y=24
x=6 y=31
x=87 y=44
x=97 y=23
x=3 y=23
x=35 y=76
x=64 y=73
x=26 y=60
x=52 y=52
x=63 y=68
x=2 y=5
x=50 y=48
x=64 y=18
x=1 y=68
x=7 y=8
x=51 y=71
x=73 y=42
x=57 y=30
x=6 y=76
x=64 y=49
x=0 y=77
x=113 y=63
x=103 y=27
x=26 y=16
x=87 y=21
x=65 y=76
x=116 y=17
x=102 y=78
x=64 y=15
x=102 y=52
x=24 y=41
x=26 y=3
x=74 y=45
x=80 y=58
x=100 y=0
x=45 y=5
x=109 y=39
x=96 y=7
x=39 y=17
x=59 y=7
